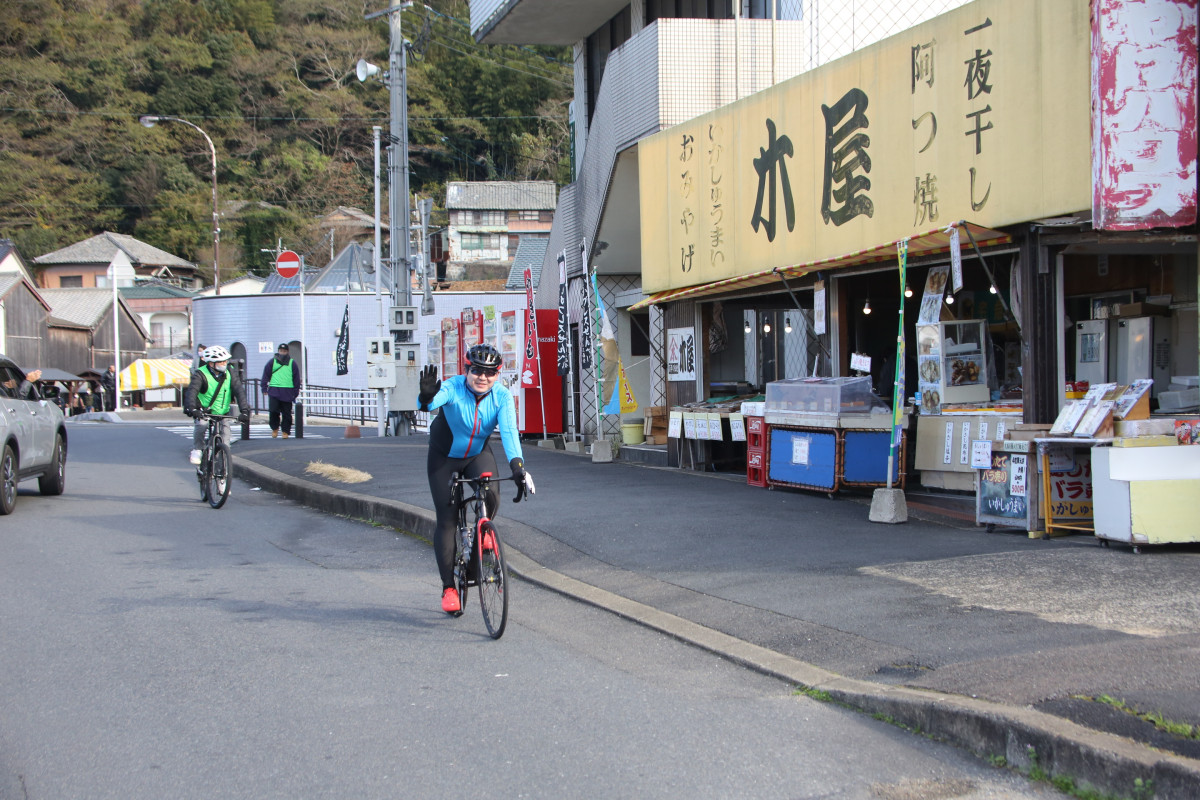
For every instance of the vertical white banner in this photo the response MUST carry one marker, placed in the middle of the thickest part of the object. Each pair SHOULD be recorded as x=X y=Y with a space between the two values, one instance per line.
x=955 y=261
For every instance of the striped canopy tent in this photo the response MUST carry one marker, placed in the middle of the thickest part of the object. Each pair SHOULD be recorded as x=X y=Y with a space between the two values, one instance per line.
x=925 y=244
x=155 y=373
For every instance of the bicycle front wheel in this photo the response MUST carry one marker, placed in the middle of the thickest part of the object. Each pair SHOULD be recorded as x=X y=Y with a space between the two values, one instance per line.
x=493 y=580
x=220 y=475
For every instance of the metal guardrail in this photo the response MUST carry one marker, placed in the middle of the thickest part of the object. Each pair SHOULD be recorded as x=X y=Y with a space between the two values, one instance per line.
x=353 y=405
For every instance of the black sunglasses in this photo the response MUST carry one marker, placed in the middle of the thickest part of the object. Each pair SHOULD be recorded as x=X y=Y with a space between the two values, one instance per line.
x=491 y=373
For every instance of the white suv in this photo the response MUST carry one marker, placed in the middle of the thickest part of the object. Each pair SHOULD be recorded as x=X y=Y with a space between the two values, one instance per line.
x=33 y=438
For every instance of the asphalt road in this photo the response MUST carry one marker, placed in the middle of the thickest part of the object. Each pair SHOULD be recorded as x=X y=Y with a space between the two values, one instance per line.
x=156 y=648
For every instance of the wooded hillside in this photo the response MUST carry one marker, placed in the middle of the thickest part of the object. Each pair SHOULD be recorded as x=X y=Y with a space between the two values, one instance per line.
x=272 y=83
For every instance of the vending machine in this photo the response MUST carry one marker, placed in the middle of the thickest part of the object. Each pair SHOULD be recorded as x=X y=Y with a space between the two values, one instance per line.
x=451 y=363
x=549 y=394
x=509 y=337
x=470 y=331
x=1141 y=349
x=1091 y=351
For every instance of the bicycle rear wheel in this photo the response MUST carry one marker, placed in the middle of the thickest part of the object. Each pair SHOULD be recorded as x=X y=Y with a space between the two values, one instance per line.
x=220 y=475
x=493 y=580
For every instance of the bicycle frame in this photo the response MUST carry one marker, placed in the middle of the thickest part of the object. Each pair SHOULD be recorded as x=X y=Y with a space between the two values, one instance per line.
x=214 y=441
x=479 y=550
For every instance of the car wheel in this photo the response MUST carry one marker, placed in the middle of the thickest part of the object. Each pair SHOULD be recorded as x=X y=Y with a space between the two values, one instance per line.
x=8 y=480
x=54 y=481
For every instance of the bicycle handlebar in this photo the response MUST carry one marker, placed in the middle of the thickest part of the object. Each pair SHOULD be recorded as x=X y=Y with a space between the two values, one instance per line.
x=486 y=479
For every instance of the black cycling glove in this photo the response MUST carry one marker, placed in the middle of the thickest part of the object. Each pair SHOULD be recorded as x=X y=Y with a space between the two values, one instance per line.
x=429 y=385
x=523 y=478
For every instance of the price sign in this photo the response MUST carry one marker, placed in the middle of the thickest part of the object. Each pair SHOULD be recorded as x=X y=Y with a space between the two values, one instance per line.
x=675 y=424
x=981 y=454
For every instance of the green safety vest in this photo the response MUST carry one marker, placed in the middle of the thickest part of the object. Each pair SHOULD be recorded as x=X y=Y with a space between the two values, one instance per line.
x=281 y=375
x=215 y=398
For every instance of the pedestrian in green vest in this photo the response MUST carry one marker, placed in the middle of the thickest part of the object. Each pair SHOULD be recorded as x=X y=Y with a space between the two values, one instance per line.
x=212 y=389
x=281 y=384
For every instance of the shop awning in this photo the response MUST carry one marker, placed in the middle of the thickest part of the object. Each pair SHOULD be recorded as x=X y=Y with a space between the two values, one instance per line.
x=52 y=374
x=155 y=373
x=924 y=244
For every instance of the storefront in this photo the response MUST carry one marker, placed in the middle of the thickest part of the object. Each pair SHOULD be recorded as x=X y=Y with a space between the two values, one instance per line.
x=772 y=231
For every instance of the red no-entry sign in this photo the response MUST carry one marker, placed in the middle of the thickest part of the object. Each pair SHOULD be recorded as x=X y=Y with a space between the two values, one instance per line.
x=287 y=264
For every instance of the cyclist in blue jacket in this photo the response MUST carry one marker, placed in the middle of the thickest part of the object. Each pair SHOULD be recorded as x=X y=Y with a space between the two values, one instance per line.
x=473 y=406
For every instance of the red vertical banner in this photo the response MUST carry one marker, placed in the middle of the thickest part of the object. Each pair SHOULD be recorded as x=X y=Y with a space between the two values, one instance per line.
x=530 y=374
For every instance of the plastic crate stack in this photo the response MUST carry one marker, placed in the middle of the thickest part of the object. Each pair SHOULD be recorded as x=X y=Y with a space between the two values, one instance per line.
x=756 y=451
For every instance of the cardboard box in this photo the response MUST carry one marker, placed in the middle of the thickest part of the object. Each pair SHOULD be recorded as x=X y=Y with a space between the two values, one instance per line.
x=1141 y=310
x=1146 y=441
x=1158 y=426
x=657 y=438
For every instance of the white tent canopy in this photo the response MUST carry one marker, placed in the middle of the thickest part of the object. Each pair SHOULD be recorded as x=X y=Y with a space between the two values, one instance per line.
x=155 y=373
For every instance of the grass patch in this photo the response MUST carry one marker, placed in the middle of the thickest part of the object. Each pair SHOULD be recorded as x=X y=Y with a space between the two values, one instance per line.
x=1142 y=789
x=816 y=694
x=336 y=473
x=1181 y=729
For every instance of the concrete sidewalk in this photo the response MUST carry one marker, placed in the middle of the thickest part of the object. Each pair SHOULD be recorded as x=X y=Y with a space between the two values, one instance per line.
x=993 y=641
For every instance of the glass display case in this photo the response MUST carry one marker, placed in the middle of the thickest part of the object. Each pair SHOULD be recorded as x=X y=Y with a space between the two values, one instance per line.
x=820 y=395
x=964 y=361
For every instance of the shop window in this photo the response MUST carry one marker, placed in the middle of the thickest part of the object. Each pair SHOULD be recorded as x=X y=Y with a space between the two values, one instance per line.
x=639 y=330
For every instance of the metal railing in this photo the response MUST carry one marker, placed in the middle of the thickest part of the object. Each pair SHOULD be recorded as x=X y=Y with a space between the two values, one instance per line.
x=330 y=402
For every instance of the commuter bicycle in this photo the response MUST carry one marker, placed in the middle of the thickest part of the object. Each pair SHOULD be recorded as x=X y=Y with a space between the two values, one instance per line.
x=215 y=471
x=479 y=556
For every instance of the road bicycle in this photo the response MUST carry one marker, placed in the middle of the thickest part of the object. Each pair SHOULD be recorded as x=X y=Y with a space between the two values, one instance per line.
x=215 y=471
x=479 y=555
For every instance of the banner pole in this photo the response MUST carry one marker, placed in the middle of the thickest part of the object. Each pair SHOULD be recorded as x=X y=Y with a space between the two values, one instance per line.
x=563 y=336
x=537 y=349
x=898 y=385
x=599 y=375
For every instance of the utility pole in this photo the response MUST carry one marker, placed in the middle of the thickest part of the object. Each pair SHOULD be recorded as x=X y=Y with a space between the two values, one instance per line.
x=398 y=162
x=424 y=207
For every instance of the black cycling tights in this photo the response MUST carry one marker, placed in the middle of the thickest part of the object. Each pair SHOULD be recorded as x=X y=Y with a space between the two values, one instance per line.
x=440 y=469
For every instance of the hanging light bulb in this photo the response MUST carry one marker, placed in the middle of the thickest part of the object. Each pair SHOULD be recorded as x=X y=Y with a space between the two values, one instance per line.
x=867 y=306
x=766 y=327
x=747 y=326
x=907 y=290
x=787 y=324
x=992 y=288
x=949 y=299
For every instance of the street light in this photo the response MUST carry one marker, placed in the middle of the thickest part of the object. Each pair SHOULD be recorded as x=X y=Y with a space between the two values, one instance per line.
x=149 y=121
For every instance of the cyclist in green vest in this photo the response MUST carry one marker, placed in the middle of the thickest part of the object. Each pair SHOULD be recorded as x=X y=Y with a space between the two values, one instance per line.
x=212 y=389
x=281 y=384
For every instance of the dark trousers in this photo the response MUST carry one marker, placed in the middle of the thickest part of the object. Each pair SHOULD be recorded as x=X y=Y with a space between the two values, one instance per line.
x=110 y=400
x=440 y=469
x=280 y=412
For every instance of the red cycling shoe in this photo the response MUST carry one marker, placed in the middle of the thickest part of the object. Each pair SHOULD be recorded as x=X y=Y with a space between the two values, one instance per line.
x=450 y=603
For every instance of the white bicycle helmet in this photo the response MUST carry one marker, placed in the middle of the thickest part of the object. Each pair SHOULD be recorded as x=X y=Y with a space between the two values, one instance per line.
x=216 y=353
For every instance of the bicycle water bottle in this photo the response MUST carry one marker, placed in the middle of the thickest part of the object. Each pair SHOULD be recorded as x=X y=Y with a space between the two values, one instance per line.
x=465 y=536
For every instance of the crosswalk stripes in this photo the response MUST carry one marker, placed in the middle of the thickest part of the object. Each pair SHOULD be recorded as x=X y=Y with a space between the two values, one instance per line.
x=260 y=431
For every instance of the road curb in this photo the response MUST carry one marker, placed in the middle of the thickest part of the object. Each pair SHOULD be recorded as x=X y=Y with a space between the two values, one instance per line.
x=1024 y=737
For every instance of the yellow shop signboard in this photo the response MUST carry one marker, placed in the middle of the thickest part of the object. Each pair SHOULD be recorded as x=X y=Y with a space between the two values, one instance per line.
x=981 y=114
